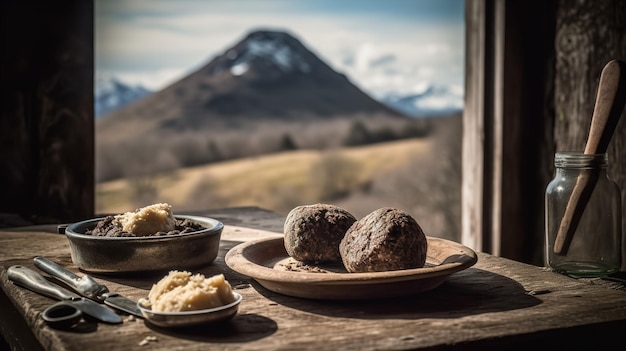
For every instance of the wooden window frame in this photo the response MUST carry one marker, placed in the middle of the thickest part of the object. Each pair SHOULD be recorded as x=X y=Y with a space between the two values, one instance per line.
x=509 y=62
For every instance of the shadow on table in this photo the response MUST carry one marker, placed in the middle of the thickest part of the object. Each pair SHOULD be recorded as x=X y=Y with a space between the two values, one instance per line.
x=470 y=292
x=145 y=280
x=244 y=327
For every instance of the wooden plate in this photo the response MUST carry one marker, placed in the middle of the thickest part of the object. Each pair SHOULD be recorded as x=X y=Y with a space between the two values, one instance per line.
x=266 y=261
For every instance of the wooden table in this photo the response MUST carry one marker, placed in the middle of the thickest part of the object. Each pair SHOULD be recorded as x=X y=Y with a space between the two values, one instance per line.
x=496 y=304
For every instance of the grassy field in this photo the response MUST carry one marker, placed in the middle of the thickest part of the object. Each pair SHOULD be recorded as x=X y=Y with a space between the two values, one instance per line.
x=277 y=182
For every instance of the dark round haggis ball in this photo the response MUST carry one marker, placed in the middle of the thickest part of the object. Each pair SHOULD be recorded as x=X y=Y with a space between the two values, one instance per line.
x=387 y=239
x=313 y=232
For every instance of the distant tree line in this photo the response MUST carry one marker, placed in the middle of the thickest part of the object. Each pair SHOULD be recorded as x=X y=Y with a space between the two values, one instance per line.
x=360 y=134
x=153 y=154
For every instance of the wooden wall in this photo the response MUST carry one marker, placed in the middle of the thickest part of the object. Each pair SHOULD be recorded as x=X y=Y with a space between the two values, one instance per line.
x=588 y=34
x=532 y=71
x=46 y=111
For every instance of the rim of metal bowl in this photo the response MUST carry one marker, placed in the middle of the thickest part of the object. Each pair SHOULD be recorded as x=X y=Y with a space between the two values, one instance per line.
x=238 y=299
x=217 y=226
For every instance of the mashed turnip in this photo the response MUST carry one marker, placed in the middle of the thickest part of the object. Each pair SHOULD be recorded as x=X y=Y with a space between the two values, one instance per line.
x=182 y=291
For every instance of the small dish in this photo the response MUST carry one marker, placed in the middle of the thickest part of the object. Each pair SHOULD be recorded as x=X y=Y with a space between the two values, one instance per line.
x=190 y=318
x=267 y=261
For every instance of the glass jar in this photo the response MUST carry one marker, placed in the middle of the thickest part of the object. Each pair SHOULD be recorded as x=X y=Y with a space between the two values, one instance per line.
x=592 y=246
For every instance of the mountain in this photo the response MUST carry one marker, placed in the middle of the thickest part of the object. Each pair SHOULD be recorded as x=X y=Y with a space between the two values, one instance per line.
x=431 y=102
x=267 y=76
x=111 y=94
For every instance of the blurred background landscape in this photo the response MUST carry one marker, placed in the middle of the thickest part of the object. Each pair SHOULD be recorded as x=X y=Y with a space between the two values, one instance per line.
x=206 y=104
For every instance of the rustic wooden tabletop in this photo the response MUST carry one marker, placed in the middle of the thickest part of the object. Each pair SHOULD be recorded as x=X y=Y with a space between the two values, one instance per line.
x=494 y=304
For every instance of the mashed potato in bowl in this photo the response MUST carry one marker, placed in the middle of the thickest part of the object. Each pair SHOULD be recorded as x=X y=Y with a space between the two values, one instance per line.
x=147 y=220
x=182 y=291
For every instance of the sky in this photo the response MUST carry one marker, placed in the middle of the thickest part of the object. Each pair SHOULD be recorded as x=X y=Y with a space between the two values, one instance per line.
x=383 y=46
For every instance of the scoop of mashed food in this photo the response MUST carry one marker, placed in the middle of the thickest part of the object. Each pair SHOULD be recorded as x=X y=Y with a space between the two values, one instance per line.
x=147 y=220
x=153 y=220
x=182 y=291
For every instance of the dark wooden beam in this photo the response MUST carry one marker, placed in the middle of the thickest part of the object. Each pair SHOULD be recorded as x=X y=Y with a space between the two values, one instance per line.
x=46 y=111
x=507 y=126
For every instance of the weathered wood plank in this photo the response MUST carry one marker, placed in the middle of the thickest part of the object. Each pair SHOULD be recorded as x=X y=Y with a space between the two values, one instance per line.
x=528 y=61
x=472 y=188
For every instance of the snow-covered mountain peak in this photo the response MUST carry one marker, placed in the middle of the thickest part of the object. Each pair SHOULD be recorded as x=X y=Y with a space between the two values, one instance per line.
x=110 y=94
x=274 y=48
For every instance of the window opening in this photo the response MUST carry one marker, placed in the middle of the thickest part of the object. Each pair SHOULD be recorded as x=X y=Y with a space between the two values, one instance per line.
x=279 y=103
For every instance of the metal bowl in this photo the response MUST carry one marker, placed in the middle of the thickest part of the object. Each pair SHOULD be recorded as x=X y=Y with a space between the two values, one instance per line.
x=188 y=318
x=102 y=254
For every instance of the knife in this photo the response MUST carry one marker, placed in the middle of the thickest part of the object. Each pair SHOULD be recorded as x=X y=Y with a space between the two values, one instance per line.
x=34 y=281
x=88 y=287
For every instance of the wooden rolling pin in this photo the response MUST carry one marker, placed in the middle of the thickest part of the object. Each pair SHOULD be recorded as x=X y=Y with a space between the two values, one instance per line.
x=606 y=113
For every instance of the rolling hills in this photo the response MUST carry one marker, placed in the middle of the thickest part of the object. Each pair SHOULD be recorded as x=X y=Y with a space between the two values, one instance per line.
x=265 y=181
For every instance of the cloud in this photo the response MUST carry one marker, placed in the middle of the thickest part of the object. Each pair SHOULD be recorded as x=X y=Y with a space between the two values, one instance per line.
x=398 y=68
x=369 y=56
x=383 y=60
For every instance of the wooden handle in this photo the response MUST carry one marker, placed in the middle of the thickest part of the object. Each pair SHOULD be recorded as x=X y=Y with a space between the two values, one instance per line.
x=34 y=281
x=609 y=106
x=606 y=113
x=585 y=183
